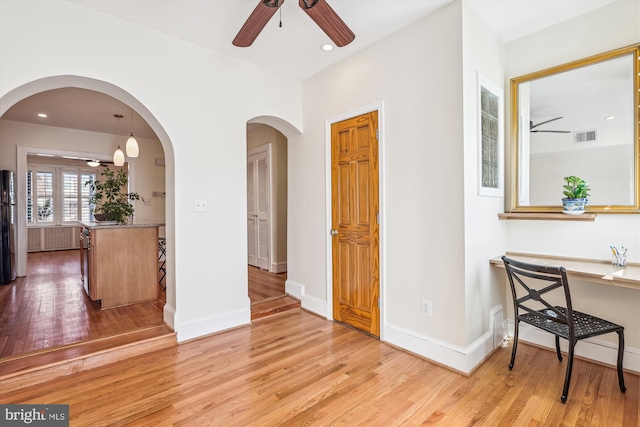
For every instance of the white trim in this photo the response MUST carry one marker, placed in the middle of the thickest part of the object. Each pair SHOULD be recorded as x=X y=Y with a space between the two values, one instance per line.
x=294 y=289
x=458 y=358
x=169 y=315
x=599 y=351
x=498 y=92
x=266 y=148
x=376 y=106
x=278 y=267
x=315 y=305
x=212 y=324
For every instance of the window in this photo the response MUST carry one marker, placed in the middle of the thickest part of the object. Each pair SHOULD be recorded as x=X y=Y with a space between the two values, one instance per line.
x=490 y=138
x=59 y=194
x=44 y=185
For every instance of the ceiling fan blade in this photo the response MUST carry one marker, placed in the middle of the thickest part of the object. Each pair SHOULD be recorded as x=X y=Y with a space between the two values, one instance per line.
x=552 y=131
x=328 y=21
x=532 y=126
x=256 y=22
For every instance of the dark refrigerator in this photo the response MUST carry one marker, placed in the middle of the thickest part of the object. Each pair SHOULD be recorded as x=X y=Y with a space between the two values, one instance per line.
x=7 y=228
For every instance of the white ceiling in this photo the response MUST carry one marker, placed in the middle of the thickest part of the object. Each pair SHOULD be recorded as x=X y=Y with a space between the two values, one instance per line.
x=293 y=49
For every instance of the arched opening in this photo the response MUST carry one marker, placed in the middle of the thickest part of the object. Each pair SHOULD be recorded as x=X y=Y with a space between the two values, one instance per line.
x=23 y=147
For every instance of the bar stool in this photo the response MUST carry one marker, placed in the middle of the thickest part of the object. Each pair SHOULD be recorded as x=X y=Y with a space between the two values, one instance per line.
x=162 y=256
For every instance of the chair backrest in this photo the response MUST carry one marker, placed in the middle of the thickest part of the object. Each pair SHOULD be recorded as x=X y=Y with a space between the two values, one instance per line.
x=536 y=281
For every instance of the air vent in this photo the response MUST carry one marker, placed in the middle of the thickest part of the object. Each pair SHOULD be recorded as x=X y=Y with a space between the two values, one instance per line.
x=585 y=136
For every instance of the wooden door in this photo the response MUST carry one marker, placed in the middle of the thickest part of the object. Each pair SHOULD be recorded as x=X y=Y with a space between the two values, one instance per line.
x=258 y=210
x=354 y=219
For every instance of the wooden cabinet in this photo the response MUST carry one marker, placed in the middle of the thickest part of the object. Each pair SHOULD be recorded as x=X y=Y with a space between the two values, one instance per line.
x=122 y=263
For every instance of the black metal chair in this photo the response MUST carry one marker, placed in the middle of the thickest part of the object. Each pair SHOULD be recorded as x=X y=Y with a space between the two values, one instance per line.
x=563 y=322
x=162 y=256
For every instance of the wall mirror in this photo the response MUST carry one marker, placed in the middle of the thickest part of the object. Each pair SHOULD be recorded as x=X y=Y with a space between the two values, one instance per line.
x=580 y=119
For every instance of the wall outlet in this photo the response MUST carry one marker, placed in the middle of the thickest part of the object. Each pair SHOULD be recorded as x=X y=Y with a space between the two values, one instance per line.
x=427 y=308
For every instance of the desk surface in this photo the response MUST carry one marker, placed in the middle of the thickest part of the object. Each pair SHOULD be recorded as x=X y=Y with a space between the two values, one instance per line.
x=586 y=269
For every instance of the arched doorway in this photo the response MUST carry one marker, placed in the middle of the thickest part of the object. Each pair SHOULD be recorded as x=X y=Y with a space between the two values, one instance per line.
x=23 y=149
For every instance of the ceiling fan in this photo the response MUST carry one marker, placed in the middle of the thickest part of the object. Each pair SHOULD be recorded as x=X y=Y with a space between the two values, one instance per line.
x=532 y=127
x=318 y=10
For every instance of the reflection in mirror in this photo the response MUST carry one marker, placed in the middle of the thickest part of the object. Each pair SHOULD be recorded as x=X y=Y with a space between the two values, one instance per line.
x=578 y=119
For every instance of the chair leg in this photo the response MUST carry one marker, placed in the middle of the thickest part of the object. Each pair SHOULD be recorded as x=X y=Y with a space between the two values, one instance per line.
x=558 y=348
x=620 y=355
x=515 y=344
x=567 y=378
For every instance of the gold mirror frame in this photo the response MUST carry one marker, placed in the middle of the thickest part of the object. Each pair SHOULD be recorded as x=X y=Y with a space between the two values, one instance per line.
x=634 y=51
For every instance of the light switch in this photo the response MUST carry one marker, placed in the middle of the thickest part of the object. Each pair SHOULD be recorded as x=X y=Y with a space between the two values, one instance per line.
x=201 y=205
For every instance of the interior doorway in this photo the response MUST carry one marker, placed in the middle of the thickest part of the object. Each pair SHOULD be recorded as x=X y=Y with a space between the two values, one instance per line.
x=355 y=230
x=267 y=219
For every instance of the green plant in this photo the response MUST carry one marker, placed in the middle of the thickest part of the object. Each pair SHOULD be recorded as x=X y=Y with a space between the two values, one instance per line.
x=575 y=188
x=108 y=197
x=45 y=211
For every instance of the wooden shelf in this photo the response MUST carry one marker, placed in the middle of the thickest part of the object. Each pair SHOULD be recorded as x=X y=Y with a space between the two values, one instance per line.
x=546 y=216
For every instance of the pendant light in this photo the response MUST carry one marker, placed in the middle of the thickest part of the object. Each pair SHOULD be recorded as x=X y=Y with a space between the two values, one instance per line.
x=132 y=144
x=118 y=156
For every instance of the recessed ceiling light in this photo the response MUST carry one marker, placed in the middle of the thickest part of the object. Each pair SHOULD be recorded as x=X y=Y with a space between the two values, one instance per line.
x=326 y=47
x=610 y=118
x=43 y=115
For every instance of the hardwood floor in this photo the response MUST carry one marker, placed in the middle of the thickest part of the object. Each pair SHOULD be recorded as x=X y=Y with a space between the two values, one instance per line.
x=299 y=369
x=49 y=308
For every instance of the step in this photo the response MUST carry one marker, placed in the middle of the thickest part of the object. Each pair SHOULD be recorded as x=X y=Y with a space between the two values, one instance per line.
x=34 y=368
x=273 y=306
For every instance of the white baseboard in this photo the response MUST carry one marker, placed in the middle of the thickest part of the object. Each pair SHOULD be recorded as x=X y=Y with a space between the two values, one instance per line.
x=278 y=267
x=458 y=358
x=313 y=304
x=212 y=324
x=169 y=315
x=599 y=351
x=294 y=289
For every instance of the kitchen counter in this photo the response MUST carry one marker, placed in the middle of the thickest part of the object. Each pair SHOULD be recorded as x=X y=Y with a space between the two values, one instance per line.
x=109 y=224
x=119 y=262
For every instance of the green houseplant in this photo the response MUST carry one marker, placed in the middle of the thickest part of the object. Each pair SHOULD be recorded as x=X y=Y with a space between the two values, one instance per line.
x=108 y=197
x=576 y=192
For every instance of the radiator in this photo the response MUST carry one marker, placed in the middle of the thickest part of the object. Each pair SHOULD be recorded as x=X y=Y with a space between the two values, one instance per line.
x=53 y=238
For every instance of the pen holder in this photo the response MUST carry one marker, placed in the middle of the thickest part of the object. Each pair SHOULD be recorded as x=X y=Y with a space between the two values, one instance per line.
x=619 y=260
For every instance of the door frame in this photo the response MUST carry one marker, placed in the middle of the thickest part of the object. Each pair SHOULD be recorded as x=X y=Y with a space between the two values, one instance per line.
x=376 y=106
x=257 y=150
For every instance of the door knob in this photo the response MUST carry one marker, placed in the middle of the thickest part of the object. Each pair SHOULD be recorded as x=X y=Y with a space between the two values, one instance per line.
x=334 y=232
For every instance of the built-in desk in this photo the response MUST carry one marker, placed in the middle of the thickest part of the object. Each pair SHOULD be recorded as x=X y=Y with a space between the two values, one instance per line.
x=599 y=271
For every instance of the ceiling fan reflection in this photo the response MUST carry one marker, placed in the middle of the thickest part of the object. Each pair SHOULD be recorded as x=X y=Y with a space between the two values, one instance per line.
x=532 y=127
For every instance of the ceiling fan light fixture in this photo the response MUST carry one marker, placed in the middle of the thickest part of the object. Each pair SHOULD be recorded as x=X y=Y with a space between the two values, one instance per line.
x=327 y=47
x=93 y=163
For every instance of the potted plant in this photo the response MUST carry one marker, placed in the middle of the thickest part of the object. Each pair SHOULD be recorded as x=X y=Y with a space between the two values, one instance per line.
x=108 y=200
x=576 y=192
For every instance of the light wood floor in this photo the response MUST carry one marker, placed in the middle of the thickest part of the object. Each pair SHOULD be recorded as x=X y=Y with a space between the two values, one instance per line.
x=49 y=308
x=297 y=369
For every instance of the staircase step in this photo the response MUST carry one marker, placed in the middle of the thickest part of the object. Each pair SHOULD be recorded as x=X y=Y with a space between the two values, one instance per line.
x=273 y=306
x=37 y=367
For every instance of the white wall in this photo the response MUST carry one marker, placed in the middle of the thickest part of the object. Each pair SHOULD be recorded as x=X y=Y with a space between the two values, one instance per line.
x=604 y=29
x=485 y=236
x=198 y=103
x=145 y=175
x=427 y=248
